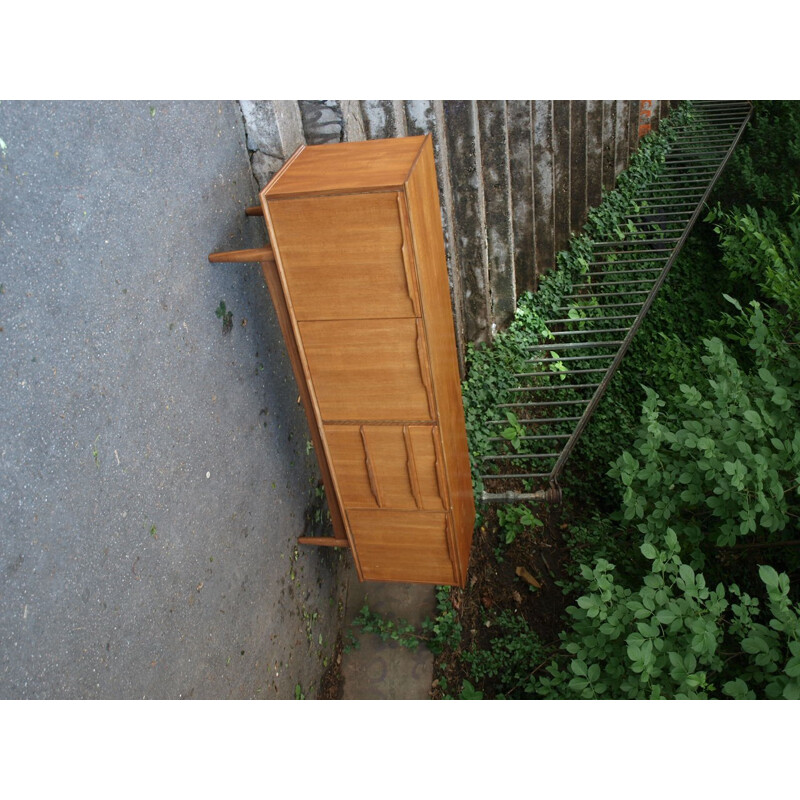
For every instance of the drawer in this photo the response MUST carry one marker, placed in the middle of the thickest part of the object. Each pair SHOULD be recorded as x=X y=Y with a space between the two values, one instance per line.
x=386 y=466
x=346 y=257
x=369 y=369
x=402 y=546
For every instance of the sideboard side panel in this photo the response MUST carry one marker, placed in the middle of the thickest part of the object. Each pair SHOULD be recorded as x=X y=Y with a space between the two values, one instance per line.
x=425 y=218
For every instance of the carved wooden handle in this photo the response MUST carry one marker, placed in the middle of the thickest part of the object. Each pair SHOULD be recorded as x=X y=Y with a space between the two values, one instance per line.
x=440 y=479
x=422 y=355
x=373 y=484
x=411 y=466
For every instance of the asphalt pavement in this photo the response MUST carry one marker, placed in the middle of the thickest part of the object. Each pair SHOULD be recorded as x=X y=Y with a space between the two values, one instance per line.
x=155 y=466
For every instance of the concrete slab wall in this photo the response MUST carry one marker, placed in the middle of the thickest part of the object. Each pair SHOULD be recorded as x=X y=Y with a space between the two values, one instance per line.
x=516 y=177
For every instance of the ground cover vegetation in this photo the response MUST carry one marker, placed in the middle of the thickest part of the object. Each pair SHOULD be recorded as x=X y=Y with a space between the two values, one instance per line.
x=671 y=568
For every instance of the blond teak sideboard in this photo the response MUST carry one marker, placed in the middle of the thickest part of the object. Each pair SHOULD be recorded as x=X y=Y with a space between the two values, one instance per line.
x=359 y=280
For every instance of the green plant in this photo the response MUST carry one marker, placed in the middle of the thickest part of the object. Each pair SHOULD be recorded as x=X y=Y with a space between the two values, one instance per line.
x=442 y=631
x=764 y=168
x=715 y=461
x=445 y=629
x=399 y=631
x=514 y=432
x=723 y=462
x=226 y=317
x=490 y=370
x=672 y=636
x=503 y=668
x=469 y=692
x=515 y=520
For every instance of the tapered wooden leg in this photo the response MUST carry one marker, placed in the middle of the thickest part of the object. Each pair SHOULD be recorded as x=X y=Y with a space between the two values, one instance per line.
x=254 y=256
x=323 y=541
x=339 y=538
x=254 y=211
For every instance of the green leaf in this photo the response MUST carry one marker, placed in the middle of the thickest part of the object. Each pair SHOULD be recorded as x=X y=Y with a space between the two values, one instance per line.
x=469 y=692
x=675 y=659
x=791 y=691
x=578 y=667
x=665 y=616
x=737 y=689
x=695 y=680
x=649 y=551
x=754 y=644
x=732 y=301
x=578 y=684
x=769 y=576
x=793 y=668
x=752 y=417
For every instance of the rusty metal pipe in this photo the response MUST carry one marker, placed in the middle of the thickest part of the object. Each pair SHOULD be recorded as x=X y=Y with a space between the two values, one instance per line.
x=565 y=358
x=558 y=387
x=620 y=272
x=580 y=332
x=601 y=294
x=604 y=284
x=536 y=436
x=570 y=346
x=517 y=476
x=638 y=242
x=587 y=319
x=537 y=421
x=604 y=306
x=521 y=457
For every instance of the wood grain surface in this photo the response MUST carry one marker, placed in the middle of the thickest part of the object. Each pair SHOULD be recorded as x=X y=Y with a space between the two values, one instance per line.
x=360 y=260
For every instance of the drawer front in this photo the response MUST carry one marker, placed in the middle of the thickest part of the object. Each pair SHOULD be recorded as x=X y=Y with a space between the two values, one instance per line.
x=402 y=546
x=386 y=466
x=346 y=257
x=368 y=369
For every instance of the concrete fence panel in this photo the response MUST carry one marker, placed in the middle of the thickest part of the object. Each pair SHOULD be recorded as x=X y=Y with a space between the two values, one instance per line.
x=516 y=177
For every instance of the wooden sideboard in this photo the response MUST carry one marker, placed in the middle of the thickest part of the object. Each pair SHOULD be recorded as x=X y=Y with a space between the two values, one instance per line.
x=359 y=281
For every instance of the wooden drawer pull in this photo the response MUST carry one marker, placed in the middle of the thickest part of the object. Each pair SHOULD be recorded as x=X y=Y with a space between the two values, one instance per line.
x=439 y=466
x=373 y=484
x=411 y=466
x=422 y=355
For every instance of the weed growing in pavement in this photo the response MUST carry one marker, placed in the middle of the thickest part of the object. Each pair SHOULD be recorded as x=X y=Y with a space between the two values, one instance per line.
x=226 y=317
x=443 y=631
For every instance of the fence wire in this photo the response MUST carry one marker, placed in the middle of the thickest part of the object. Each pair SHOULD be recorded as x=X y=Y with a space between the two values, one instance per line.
x=568 y=375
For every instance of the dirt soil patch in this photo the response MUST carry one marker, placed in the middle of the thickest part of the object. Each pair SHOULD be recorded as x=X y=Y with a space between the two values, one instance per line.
x=520 y=577
x=331 y=686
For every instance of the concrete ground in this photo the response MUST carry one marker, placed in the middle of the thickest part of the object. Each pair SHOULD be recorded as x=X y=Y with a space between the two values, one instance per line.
x=377 y=670
x=154 y=469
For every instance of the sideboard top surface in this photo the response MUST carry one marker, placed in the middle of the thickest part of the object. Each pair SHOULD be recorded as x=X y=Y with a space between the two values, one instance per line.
x=373 y=165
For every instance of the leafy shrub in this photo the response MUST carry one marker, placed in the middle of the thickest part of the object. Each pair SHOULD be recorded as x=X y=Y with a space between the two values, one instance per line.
x=675 y=637
x=716 y=461
x=724 y=464
x=442 y=631
x=515 y=520
x=764 y=169
x=490 y=369
x=505 y=666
